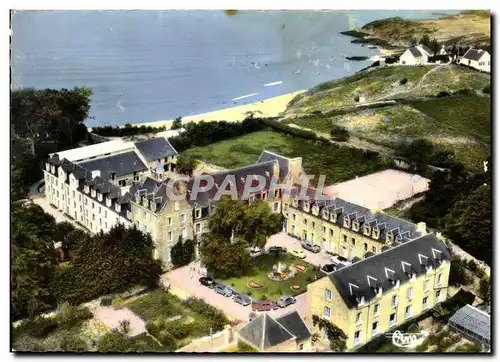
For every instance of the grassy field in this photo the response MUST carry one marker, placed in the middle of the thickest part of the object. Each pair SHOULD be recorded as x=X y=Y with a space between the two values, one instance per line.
x=337 y=163
x=387 y=83
x=272 y=290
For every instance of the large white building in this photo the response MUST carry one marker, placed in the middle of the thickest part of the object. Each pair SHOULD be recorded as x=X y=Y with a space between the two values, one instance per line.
x=477 y=59
x=90 y=184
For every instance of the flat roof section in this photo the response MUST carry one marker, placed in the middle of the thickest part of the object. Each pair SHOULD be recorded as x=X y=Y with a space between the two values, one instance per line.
x=379 y=190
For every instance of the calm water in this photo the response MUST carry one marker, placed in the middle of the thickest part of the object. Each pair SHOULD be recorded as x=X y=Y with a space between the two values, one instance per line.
x=156 y=65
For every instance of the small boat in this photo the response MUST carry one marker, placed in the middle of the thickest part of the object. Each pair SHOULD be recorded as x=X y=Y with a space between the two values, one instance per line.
x=372 y=47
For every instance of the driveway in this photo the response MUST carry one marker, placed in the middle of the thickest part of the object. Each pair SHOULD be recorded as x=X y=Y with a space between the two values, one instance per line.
x=186 y=279
x=282 y=239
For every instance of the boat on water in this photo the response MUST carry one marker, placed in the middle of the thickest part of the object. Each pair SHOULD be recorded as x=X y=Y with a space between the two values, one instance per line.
x=372 y=47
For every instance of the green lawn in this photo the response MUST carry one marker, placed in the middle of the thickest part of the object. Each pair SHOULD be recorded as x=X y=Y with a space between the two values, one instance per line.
x=337 y=163
x=272 y=290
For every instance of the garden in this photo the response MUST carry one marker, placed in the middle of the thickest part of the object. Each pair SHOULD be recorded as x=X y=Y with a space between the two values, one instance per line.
x=174 y=322
x=272 y=276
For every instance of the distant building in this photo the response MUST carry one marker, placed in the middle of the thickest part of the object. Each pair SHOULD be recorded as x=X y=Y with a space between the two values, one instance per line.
x=473 y=323
x=417 y=55
x=478 y=59
x=288 y=333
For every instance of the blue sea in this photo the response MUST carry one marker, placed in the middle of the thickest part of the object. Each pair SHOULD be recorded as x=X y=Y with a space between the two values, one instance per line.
x=155 y=65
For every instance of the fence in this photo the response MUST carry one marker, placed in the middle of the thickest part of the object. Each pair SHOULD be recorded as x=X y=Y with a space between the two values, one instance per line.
x=211 y=343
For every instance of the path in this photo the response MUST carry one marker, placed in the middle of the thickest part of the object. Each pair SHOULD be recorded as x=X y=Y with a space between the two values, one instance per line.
x=112 y=317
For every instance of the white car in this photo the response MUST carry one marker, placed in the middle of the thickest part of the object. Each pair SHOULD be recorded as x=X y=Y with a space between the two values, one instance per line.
x=339 y=260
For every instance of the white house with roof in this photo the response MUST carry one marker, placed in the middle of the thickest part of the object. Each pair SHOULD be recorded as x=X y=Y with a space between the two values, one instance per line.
x=417 y=55
x=478 y=59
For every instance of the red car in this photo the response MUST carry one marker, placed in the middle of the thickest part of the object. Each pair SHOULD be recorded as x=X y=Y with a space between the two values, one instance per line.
x=264 y=306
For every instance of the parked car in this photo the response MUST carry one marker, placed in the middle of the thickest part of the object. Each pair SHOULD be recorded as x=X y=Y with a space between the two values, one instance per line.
x=309 y=245
x=242 y=299
x=277 y=250
x=207 y=282
x=340 y=260
x=264 y=305
x=329 y=268
x=299 y=253
x=285 y=301
x=224 y=290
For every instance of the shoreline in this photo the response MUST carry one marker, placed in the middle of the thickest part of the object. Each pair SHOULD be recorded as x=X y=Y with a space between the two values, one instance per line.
x=269 y=107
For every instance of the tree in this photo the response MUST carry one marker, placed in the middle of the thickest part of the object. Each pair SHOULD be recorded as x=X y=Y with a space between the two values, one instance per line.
x=339 y=133
x=485 y=289
x=434 y=46
x=254 y=222
x=182 y=252
x=34 y=260
x=336 y=336
x=418 y=151
x=106 y=263
x=177 y=123
x=413 y=41
x=468 y=224
x=186 y=165
x=425 y=40
x=223 y=257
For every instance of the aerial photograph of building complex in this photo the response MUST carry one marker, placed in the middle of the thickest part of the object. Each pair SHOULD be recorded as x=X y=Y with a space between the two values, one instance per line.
x=242 y=181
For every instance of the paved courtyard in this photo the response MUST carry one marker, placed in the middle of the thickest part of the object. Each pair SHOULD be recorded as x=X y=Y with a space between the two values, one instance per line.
x=282 y=239
x=184 y=281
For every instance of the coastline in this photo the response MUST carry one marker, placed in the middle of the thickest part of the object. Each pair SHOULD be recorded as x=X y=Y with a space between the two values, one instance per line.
x=270 y=107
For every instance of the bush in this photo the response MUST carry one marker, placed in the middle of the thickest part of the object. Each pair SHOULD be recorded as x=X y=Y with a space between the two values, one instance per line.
x=167 y=340
x=27 y=343
x=443 y=94
x=180 y=331
x=69 y=316
x=106 y=301
x=403 y=81
x=356 y=99
x=216 y=319
x=38 y=327
x=73 y=343
x=339 y=133
x=177 y=123
x=114 y=342
x=125 y=326
x=126 y=131
x=487 y=89
x=118 y=301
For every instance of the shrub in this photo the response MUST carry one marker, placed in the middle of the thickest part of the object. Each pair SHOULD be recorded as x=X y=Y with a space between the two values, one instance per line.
x=309 y=279
x=38 y=327
x=118 y=301
x=106 y=301
x=487 y=89
x=216 y=319
x=403 y=81
x=339 y=133
x=125 y=326
x=180 y=331
x=177 y=123
x=245 y=347
x=27 y=343
x=69 y=316
x=442 y=94
x=356 y=99
x=73 y=343
x=167 y=340
x=114 y=342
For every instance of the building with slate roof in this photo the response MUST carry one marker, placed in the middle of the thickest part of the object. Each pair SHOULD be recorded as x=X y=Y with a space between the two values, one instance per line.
x=158 y=154
x=478 y=59
x=288 y=333
x=473 y=323
x=289 y=168
x=417 y=55
x=376 y=294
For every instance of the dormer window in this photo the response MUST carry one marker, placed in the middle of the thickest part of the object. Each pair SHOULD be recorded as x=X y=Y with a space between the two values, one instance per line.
x=129 y=215
x=347 y=222
x=99 y=197
x=144 y=202
x=375 y=233
x=197 y=213
x=306 y=206
x=388 y=238
x=295 y=203
x=325 y=214
x=53 y=169
x=264 y=195
x=108 y=202
x=47 y=166
x=153 y=206
x=355 y=225
x=366 y=230
x=118 y=207
x=86 y=189
x=333 y=217
x=93 y=193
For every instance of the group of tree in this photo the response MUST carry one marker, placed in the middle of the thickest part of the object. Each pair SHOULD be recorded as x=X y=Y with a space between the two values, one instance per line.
x=100 y=264
x=185 y=164
x=233 y=228
x=43 y=121
x=339 y=133
x=182 y=253
x=421 y=152
x=426 y=40
x=127 y=130
x=459 y=204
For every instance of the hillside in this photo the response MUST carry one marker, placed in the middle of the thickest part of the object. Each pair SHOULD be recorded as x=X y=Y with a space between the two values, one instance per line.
x=467 y=28
x=385 y=84
x=446 y=105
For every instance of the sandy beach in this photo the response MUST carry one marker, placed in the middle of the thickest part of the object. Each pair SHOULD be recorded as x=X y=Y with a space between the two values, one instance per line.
x=270 y=107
